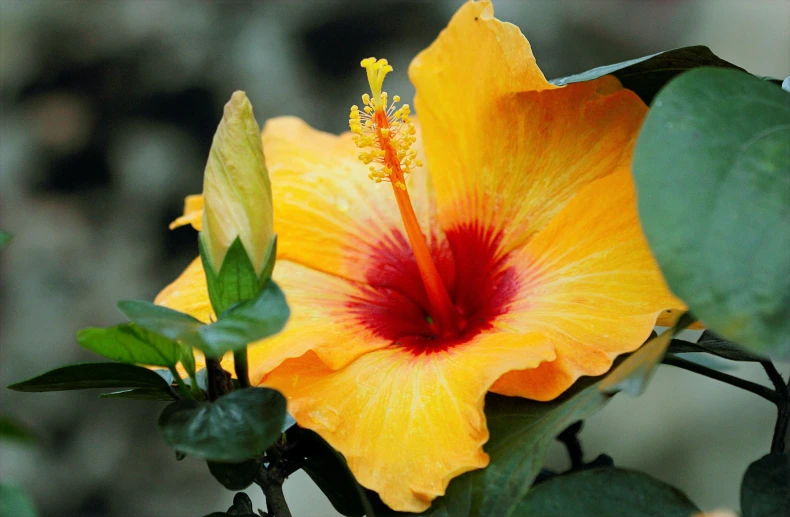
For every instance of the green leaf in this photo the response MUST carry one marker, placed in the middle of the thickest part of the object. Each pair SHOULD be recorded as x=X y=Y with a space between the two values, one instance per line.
x=647 y=75
x=14 y=502
x=712 y=173
x=236 y=281
x=140 y=394
x=260 y=317
x=605 y=492
x=13 y=430
x=92 y=375
x=132 y=344
x=712 y=344
x=635 y=372
x=765 y=491
x=5 y=239
x=242 y=507
x=234 y=476
x=236 y=427
x=329 y=471
x=163 y=321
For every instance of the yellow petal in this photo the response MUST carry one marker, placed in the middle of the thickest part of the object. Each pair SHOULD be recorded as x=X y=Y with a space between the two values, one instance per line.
x=188 y=293
x=407 y=424
x=193 y=213
x=506 y=148
x=328 y=215
x=590 y=284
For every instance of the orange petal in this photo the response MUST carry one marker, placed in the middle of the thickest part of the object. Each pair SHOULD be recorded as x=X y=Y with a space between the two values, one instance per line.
x=320 y=318
x=328 y=214
x=590 y=284
x=193 y=213
x=669 y=317
x=504 y=146
x=407 y=424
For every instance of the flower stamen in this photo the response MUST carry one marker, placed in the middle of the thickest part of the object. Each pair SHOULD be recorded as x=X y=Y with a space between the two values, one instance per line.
x=386 y=134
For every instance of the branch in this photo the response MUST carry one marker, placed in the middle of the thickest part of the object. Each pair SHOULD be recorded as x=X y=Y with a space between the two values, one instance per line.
x=766 y=393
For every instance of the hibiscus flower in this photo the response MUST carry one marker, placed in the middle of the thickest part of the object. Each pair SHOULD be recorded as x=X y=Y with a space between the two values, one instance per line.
x=498 y=248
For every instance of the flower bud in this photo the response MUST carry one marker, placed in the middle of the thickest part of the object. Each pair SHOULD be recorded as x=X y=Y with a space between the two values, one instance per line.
x=236 y=189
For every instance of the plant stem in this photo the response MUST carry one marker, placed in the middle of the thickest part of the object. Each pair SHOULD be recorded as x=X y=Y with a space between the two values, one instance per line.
x=182 y=388
x=242 y=370
x=570 y=437
x=782 y=427
x=271 y=482
x=766 y=393
x=212 y=373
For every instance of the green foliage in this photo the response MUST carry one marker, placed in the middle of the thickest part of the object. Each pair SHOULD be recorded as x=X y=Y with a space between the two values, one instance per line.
x=140 y=394
x=5 y=239
x=712 y=172
x=13 y=430
x=712 y=344
x=234 y=476
x=242 y=507
x=93 y=375
x=646 y=75
x=257 y=318
x=236 y=281
x=765 y=491
x=130 y=344
x=261 y=316
x=234 y=428
x=14 y=502
x=605 y=492
x=637 y=369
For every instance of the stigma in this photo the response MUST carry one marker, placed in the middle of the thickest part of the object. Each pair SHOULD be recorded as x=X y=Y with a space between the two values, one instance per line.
x=383 y=130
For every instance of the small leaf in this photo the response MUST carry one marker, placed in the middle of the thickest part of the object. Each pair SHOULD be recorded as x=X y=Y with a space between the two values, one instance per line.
x=765 y=491
x=13 y=430
x=140 y=394
x=712 y=173
x=234 y=476
x=604 y=492
x=92 y=375
x=236 y=427
x=132 y=344
x=236 y=281
x=712 y=344
x=163 y=321
x=645 y=76
x=260 y=317
x=5 y=239
x=14 y=502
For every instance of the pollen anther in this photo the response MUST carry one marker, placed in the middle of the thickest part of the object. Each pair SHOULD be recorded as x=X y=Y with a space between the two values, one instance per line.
x=384 y=129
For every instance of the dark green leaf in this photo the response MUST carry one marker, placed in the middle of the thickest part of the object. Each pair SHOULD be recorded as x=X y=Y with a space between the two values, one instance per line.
x=234 y=476
x=635 y=372
x=765 y=491
x=605 y=492
x=713 y=178
x=163 y=321
x=93 y=375
x=236 y=427
x=12 y=429
x=14 y=502
x=5 y=238
x=329 y=471
x=236 y=281
x=647 y=75
x=712 y=344
x=132 y=344
x=242 y=507
x=249 y=321
x=140 y=394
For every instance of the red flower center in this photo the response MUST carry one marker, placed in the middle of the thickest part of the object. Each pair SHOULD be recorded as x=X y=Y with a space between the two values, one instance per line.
x=395 y=306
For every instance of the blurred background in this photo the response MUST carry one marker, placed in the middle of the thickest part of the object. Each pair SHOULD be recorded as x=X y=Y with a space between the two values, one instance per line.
x=107 y=110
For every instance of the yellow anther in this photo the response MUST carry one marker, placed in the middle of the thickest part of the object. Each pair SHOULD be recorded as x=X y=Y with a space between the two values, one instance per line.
x=387 y=134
